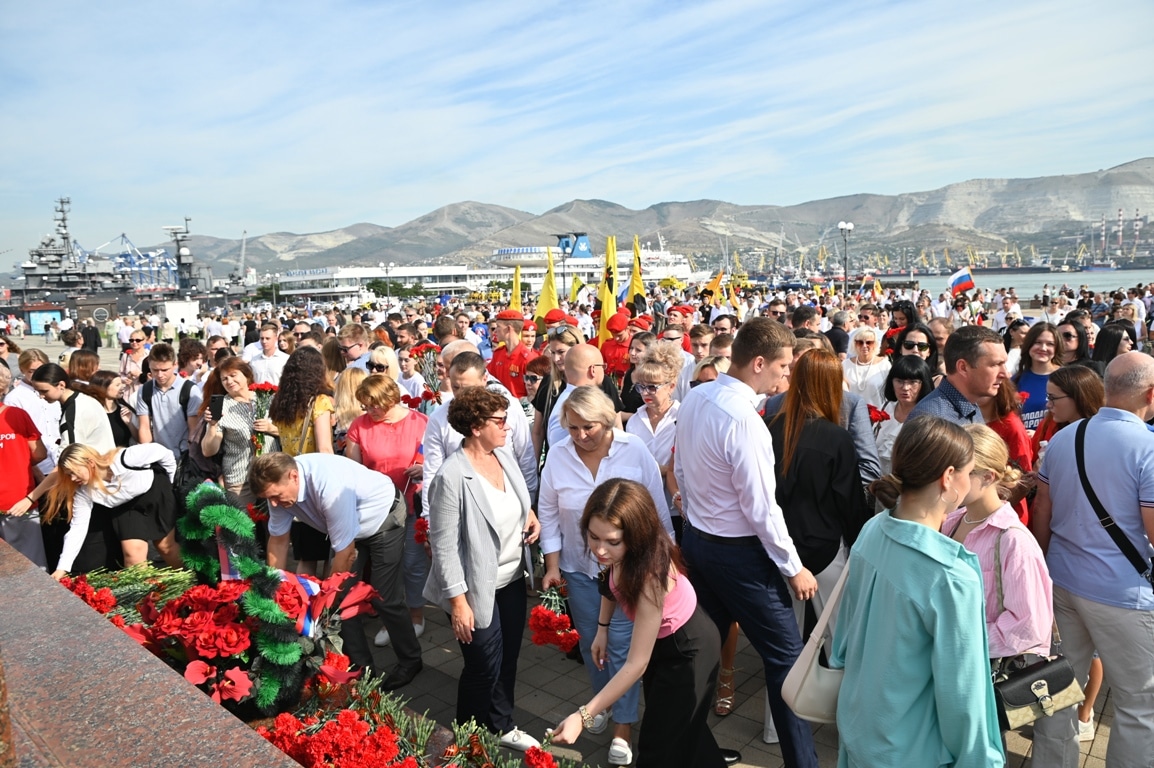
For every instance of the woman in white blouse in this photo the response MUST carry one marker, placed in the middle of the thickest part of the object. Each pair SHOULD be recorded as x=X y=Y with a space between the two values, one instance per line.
x=865 y=374
x=128 y=489
x=655 y=422
x=593 y=453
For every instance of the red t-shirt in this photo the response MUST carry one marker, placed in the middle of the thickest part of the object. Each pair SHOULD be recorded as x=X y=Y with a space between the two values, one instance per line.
x=391 y=448
x=16 y=480
x=509 y=369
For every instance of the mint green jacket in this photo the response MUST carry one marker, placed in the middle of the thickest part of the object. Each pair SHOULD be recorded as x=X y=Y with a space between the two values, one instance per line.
x=911 y=635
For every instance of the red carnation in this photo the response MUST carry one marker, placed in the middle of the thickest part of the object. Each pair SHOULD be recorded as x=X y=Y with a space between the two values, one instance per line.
x=877 y=414
x=535 y=757
x=421 y=530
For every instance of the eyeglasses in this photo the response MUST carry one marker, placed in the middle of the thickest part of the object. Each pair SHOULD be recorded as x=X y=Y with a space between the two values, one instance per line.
x=531 y=379
x=920 y=346
x=906 y=383
x=377 y=368
x=647 y=389
x=863 y=343
x=671 y=338
x=1053 y=399
x=498 y=420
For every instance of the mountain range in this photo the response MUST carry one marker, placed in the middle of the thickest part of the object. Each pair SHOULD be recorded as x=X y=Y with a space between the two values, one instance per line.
x=982 y=213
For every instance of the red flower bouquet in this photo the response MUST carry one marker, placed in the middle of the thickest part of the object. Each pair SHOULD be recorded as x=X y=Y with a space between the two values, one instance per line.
x=336 y=740
x=101 y=600
x=550 y=623
x=421 y=530
x=877 y=415
x=264 y=395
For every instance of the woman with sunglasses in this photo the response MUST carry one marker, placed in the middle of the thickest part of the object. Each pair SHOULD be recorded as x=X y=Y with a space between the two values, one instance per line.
x=1042 y=350
x=918 y=339
x=630 y=399
x=592 y=453
x=903 y=315
x=536 y=371
x=383 y=359
x=132 y=364
x=865 y=374
x=1076 y=345
x=655 y=422
x=1114 y=339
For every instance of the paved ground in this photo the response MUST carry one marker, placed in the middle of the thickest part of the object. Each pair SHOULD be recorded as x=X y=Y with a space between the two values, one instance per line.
x=550 y=687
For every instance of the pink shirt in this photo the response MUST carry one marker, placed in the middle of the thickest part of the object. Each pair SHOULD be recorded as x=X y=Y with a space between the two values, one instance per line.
x=391 y=448
x=1027 y=622
x=680 y=603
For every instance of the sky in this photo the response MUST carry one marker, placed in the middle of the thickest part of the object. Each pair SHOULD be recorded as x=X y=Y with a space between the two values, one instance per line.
x=311 y=116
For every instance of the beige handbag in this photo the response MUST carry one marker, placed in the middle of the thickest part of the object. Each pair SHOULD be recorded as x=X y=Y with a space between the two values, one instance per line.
x=810 y=689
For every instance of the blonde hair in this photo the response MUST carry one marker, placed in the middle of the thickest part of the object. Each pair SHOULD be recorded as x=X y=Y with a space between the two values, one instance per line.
x=590 y=403
x=74 y=457
x=387 y=356
x=346 y=407
x=991 y=455
x=662 y=362
x=716 y=362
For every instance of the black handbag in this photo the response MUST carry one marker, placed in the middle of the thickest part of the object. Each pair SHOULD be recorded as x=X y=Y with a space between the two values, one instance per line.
x=1026 y=690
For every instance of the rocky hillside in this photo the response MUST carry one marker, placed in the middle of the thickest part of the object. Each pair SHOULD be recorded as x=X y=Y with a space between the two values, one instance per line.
x=983 y=213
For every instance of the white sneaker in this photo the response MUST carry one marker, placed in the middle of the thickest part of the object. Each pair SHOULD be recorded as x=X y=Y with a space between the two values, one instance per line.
x=419 y=629
x=382 y=638
x=518 y=740
x=1086 y=730
x=620 y=753
x=600 y=722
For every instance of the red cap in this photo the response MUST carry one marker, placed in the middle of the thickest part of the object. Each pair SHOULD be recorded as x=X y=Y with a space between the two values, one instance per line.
x=680 y=309
x=510 y=314
x=555 y=316
x=570 y=320
x=617 y=323
x=641 y=321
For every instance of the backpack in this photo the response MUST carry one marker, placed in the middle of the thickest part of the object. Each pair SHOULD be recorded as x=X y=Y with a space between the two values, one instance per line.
x=185 y=396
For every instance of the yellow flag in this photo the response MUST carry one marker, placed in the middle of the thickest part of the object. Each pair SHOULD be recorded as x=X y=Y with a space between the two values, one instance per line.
x=607 y=291
x=733 y=302
x=878 y=290
x=548 y=298
x=575 y=290
x=715 y=286
x=636 y=285
x=515 y=298
x=817 y=290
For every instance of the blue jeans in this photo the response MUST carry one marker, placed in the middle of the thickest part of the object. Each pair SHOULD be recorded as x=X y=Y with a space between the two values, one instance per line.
x=584 y=607
x=738 y=582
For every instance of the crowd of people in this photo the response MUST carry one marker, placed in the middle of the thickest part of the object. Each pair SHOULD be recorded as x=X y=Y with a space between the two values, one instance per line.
x=703 y=471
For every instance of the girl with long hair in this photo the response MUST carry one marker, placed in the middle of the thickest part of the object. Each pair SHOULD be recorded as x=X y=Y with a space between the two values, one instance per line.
x=108 y=389
x=903 y=315
x=130 y=487
x=1114 y=339
x=674 y=646
x=819 y=487
x=918 y=339
x=914 y=594
x=1042 y=352
x=346 y=407
x=81 y=365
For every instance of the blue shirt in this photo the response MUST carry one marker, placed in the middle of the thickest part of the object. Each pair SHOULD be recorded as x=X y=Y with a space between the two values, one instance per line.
x=339 y=497
x=1120 y=466
x=948 y=403
x=1033 y=386
x=911 y=635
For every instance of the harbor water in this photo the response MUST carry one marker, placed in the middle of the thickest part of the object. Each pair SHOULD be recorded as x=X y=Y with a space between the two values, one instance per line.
x=1028 y=285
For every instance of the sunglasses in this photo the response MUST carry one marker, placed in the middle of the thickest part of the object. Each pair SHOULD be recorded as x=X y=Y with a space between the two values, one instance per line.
x=671 y=338
x=777 y=312
x=864 y=318
x=498 y=420
x=137 y=341
x=647 y=389
x=860 y=343
x=345 y=349
x=377 y=368
x=532 y=379
x=1069 y=336
x=920 y=346
x=301 y=335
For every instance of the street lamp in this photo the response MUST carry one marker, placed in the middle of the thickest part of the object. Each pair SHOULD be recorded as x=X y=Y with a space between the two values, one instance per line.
x=388 y=287
x=276 y=281
x=846 y=227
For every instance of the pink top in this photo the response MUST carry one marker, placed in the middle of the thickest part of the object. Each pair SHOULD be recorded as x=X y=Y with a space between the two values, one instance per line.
x=1027 y=622
x=680 y=603
x=391 y=448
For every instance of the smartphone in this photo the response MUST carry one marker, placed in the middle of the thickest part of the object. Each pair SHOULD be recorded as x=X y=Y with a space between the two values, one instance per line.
x=216 y=406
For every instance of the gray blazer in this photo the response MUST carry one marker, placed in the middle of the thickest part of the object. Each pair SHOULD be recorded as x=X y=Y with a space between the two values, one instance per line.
x=463 y=534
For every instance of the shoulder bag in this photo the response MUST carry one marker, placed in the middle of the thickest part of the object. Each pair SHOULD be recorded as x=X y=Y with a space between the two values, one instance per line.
x=1145 y=569
x=1026 y=690
x=811 y=689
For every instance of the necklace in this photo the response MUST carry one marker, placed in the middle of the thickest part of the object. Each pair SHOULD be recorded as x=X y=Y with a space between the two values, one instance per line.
x=861 y=382
x=968 y=521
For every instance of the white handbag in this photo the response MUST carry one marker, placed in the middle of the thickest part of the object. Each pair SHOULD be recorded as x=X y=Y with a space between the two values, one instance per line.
x=810 y=689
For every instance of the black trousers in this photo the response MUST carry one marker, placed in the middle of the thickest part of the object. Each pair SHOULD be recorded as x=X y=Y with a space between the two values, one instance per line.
x=485 y=690
x=383 y=552
x=679 y=684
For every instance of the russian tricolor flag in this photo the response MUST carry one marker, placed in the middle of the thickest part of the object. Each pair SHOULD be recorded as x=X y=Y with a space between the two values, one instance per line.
x=962 y=280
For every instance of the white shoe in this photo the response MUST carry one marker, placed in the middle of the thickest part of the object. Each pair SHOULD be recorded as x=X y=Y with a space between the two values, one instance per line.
x=620 y=753
x=600 y=722
x=382 y=638
x=1086 y=730
x=419 y=629
x=518 y=740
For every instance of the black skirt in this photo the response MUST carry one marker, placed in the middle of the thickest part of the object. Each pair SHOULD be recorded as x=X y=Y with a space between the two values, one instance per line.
x=679 y=684
x=101 y=548
x=151 y=515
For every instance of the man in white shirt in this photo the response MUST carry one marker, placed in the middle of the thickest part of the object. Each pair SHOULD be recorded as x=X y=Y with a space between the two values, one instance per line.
x=741 y=559
x=268 y=364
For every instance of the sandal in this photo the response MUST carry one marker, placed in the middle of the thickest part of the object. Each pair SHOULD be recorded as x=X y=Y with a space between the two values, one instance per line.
x=723 y=704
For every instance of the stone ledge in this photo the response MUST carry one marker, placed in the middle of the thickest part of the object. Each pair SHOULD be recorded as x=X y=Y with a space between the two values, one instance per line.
x=83 y=694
